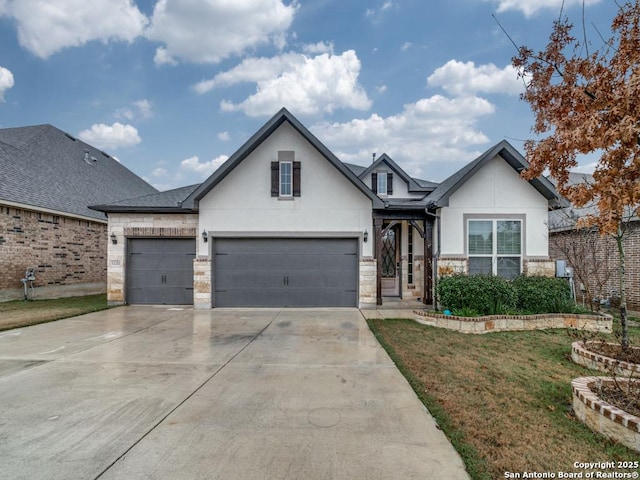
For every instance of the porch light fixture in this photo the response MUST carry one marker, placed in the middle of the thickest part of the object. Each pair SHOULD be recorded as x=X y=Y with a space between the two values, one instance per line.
x=365 y=236
x=114 y=239
x=205 y=237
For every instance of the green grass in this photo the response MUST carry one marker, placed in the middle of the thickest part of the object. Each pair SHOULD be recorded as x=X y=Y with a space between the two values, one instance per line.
x=21 y=313
x=503 y=399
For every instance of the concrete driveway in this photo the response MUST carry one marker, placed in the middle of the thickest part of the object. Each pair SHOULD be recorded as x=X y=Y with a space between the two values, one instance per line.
x=166 y=393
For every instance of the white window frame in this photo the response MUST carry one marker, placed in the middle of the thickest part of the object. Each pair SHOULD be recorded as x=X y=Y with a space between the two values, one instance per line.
x=281 y=183
x=494 y=255
x=382 y=181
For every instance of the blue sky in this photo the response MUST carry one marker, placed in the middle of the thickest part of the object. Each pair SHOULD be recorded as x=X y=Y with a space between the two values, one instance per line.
x=173 y=87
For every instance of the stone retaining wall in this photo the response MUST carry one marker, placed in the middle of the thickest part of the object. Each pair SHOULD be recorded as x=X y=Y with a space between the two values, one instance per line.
x=594 y=361
x=502 y=323
x=602 y=417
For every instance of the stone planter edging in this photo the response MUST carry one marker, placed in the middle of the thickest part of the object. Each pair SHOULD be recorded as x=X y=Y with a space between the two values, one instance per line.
x=603 y=417
x=601 y=363
x=502 y=323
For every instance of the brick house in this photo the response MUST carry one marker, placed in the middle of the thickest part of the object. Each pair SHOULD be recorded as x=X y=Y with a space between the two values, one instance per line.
x=594 y=257
x=283 y=222
x=47 y=180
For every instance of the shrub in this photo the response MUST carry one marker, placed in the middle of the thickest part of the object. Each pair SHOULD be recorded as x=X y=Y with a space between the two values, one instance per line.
x=484 y=294
x=543 y=295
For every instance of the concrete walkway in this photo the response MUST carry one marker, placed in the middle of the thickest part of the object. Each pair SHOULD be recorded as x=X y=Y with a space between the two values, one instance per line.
x=164 y=393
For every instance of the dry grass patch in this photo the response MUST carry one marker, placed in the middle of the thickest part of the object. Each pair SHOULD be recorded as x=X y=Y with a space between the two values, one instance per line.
x=503 y=399
x=21 y=313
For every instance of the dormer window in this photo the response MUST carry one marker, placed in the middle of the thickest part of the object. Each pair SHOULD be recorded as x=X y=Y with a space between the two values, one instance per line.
x=382 y=183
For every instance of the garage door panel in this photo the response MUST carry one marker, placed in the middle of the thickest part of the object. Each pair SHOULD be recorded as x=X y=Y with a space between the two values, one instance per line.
x=285 y=272
x=160 y=271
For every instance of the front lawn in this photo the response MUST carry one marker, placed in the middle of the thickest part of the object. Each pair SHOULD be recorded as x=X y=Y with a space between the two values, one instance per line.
x=22 y=313
x=503 y=399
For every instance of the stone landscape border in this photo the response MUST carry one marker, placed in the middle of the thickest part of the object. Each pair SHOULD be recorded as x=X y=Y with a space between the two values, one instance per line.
x=505 y=323
x=595 y=361
x=603 y=417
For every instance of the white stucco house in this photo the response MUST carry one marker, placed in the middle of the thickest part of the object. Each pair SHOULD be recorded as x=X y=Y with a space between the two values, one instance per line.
x=283 y=222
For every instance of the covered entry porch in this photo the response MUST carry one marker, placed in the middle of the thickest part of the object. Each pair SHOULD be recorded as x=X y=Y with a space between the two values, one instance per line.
x=403 y=251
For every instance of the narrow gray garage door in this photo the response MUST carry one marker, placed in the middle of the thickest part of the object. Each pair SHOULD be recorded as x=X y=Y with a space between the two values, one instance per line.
x=160 y=271
x=276 y=272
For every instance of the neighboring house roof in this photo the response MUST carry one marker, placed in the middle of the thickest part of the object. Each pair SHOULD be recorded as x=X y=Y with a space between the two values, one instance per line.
x=169 y=201
x=260 y=136
x=412 y=185
x=566 y=218
x=440 y=196
x=45 y=168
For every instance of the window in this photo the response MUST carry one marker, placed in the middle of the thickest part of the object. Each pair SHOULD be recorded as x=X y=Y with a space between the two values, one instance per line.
x=285 y=176
x=382 y=183
x=286 y=179
x=495 y=247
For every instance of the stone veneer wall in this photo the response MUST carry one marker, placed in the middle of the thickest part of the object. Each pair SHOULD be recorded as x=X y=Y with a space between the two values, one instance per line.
x=367 y=282
x=202 y=282
x=69 y=254
x=142 y=225
x=602 y=417
x=414 y=290
x=502 y=323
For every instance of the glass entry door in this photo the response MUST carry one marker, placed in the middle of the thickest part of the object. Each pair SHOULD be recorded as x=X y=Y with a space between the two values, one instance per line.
x=391 y=263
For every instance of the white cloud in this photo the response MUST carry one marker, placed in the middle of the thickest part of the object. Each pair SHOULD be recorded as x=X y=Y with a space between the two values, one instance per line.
x=159 y=172
x=315 y=48
x=465 y=78
x=139 y=109
x=224 y=136
x=46 y=27
x=204 y=169
x=6 y=81
x=308 y=85
x=376 y=13
x=531 y=7
x=111 y=136
x=434 y=129
x=208 y=32
x=406 y=46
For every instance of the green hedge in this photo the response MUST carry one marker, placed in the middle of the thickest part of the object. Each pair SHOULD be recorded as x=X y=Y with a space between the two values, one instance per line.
x=489 y=295
x=543 y=295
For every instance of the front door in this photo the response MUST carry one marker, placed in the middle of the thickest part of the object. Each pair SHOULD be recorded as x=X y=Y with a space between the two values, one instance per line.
x=391 y=263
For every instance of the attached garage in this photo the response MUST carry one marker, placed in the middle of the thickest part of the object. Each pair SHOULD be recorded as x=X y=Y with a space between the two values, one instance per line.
x=285 y=272
x=160 y=271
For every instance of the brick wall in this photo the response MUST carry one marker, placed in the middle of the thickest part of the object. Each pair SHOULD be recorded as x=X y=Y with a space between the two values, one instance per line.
x=64 y=251
x=595 y=262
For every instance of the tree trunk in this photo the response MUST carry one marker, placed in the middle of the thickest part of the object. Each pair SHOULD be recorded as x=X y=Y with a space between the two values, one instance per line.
x=624 y=342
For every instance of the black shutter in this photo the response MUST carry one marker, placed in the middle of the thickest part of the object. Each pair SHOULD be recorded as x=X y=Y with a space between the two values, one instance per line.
x=296 y=179
x=389 y=183
x=374 y=182
x=275 y=179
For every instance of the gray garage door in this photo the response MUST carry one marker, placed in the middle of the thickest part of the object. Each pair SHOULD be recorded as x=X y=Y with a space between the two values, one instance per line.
x=275 y=272
x=160 y=271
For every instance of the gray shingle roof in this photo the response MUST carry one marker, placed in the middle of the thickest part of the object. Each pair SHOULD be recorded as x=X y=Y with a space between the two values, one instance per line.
x=43 y=167
x=167 y=201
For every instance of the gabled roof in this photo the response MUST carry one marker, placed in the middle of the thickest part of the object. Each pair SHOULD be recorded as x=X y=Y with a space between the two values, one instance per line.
x=45 y=168
x=412 y=185
x=440 y=196
x=256 y=140
x=169 y=201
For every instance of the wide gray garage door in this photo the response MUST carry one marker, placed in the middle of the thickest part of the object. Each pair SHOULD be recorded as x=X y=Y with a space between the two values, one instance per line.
x=160 y=271
x=277 y=272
